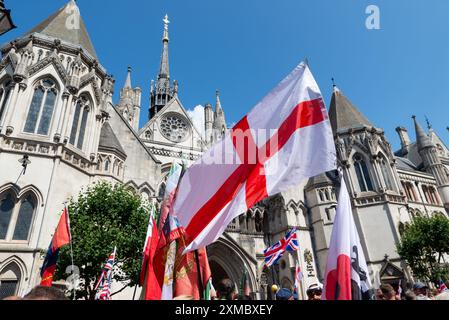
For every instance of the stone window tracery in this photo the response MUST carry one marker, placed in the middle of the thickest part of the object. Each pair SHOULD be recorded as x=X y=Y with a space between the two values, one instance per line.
x=41 y=108
x=174 y=127
x=362 y=173
x=79 y=122
x=16 y=216
x=5 y=91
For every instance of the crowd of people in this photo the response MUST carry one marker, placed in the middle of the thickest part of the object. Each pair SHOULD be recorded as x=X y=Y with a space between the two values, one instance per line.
x=226 y=290
x=419 y=291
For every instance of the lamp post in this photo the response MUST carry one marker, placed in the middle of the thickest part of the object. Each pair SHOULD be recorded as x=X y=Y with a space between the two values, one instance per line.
x=6 y=23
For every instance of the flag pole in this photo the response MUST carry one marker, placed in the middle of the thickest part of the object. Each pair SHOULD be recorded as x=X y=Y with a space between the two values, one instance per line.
x=71 y=248
x=200 y=278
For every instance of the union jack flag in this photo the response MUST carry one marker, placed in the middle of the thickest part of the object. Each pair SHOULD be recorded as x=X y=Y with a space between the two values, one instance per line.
x=288 y=243
x=442 y=286
x=104 y=283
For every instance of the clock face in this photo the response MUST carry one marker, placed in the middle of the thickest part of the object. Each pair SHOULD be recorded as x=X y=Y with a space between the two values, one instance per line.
x=174 y=127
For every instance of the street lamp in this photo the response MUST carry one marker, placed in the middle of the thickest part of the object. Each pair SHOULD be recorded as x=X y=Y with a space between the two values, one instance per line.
x=6 y=23
x=25 y=162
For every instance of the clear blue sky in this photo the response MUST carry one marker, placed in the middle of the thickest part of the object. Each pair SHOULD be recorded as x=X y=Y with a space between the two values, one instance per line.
x=245 y=47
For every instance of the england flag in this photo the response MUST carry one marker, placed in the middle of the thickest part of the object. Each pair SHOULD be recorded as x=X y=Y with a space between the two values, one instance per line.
x=285 y=139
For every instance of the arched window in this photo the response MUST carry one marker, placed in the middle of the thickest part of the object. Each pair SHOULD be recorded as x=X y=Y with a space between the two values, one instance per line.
x=9 y=280
x=161 y=192
x=259 y=222
x=425 y=190
x=79 y=122
x=5 y=91
x=16 y=216
x=42 y=106
x=24 y=218
x=6 y=209
x=107 y=164
x=386 y=173
x=362 y=173
x=99 y=164
x=249 y=226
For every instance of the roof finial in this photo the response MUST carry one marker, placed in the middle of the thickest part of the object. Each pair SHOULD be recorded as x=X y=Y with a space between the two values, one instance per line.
x=429 y=125
x=166 y=22
x=334 y=86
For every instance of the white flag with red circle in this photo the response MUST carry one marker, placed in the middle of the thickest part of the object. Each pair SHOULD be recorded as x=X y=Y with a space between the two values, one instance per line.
x=347 y=274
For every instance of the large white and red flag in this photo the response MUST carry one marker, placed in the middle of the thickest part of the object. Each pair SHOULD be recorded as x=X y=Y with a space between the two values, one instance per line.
x=285 y=139
x=347 y=274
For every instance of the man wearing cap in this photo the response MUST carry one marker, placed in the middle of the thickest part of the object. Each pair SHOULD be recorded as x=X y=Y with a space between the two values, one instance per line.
x=420 y=289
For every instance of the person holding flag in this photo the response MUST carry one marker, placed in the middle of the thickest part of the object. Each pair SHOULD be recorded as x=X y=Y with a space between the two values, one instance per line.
x=60 y=238
x=346 y=276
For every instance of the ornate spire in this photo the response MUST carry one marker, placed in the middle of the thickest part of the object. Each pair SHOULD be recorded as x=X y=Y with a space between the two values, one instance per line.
x=164 y=71
x=162 y=92
x=219 y=118
x=422 y=139
x=218 y=107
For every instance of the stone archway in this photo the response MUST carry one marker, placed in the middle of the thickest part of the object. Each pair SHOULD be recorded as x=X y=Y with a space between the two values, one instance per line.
x=227 y=260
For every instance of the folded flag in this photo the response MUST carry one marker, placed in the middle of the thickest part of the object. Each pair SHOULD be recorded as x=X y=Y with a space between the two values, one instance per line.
x=285 y=139
x=157 y=272
x=189 y=269
x=288 y=243
x=346 y=274
x=103 y=286
x=60 y=238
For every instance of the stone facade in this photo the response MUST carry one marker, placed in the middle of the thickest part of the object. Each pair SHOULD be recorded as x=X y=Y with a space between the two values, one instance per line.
x=56 y=107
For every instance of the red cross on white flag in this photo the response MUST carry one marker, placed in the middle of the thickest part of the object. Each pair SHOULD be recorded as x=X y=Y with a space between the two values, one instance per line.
x=285 y=139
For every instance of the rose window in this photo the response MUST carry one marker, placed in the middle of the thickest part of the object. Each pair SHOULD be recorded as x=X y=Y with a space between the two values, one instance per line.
x=174 y=128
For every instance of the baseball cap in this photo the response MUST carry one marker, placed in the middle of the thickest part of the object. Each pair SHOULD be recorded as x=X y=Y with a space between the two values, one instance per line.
x=284 y=294
x=419 y=285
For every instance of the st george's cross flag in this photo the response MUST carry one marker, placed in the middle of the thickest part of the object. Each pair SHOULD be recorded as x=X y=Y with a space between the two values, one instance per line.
x=60 y=238
x=346 y=276
x=285 y=139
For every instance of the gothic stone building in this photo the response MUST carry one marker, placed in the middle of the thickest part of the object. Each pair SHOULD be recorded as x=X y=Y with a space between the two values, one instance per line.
x=56 y=107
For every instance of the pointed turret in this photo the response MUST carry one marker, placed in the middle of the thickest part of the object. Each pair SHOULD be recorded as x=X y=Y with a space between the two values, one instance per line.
x=162 y=92
x=129 y=104
x=219 y=118
x=432 y=163
x=422 y=139
x=66 y=25
x=343 y=114
x=128 y=79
